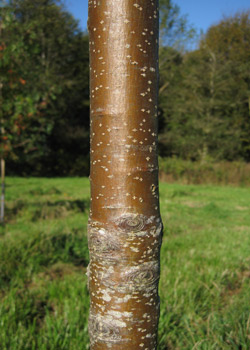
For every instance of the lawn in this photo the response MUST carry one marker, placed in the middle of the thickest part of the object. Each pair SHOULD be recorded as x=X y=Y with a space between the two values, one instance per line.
x=205 y=266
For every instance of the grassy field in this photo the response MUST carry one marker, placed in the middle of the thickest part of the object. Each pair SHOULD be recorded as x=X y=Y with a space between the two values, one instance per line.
x=205 y=266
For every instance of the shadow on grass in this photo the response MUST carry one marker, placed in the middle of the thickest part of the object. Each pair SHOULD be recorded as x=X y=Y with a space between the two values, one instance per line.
x=46 y=210
x=41 y=191
x=53 y=210
x=14 y=210
x=31 y=308
x=41 y=251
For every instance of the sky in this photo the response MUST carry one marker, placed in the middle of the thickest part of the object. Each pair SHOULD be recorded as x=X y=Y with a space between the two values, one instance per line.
x=200 y=13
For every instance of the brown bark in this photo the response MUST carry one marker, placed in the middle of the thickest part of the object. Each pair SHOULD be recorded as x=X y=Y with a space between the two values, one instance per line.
x=124 y=225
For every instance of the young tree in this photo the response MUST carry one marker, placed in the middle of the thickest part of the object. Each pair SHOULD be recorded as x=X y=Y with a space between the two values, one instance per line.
x=125 y=227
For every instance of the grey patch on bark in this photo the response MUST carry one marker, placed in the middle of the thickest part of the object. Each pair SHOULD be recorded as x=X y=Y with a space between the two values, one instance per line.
x=103 y=244
x=133 y=279
x=157 y=231
x=132 y=223
x=141 y=278
x=105 y=330
x=140 y=225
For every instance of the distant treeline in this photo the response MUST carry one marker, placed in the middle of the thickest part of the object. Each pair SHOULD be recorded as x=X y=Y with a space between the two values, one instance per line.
x=204 y=94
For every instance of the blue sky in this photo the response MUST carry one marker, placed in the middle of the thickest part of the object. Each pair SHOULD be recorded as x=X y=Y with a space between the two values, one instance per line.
x=201 y=14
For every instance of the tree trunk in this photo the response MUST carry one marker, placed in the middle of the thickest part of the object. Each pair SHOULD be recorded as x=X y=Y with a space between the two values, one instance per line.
x=125 y=227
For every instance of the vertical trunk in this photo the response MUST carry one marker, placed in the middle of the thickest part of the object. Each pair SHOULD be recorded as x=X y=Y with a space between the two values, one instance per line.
x=124 y=225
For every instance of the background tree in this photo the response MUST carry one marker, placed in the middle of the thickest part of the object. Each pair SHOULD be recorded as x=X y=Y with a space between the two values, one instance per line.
x=229 y=40
x=57 y=52
x=204 y=102
x=175 y=30
x=176 y=36
x=19 y=105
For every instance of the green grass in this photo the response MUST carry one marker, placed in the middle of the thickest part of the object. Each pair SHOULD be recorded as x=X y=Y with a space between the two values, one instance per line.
x=205 y=266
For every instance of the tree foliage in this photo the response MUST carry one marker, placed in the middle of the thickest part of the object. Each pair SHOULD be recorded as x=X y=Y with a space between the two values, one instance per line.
x=21 y=104
x=205 y=95
x=48 y=81
x=175 y=30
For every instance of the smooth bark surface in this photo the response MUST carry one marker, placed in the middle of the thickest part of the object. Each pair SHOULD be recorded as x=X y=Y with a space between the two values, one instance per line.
x=125 y=228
